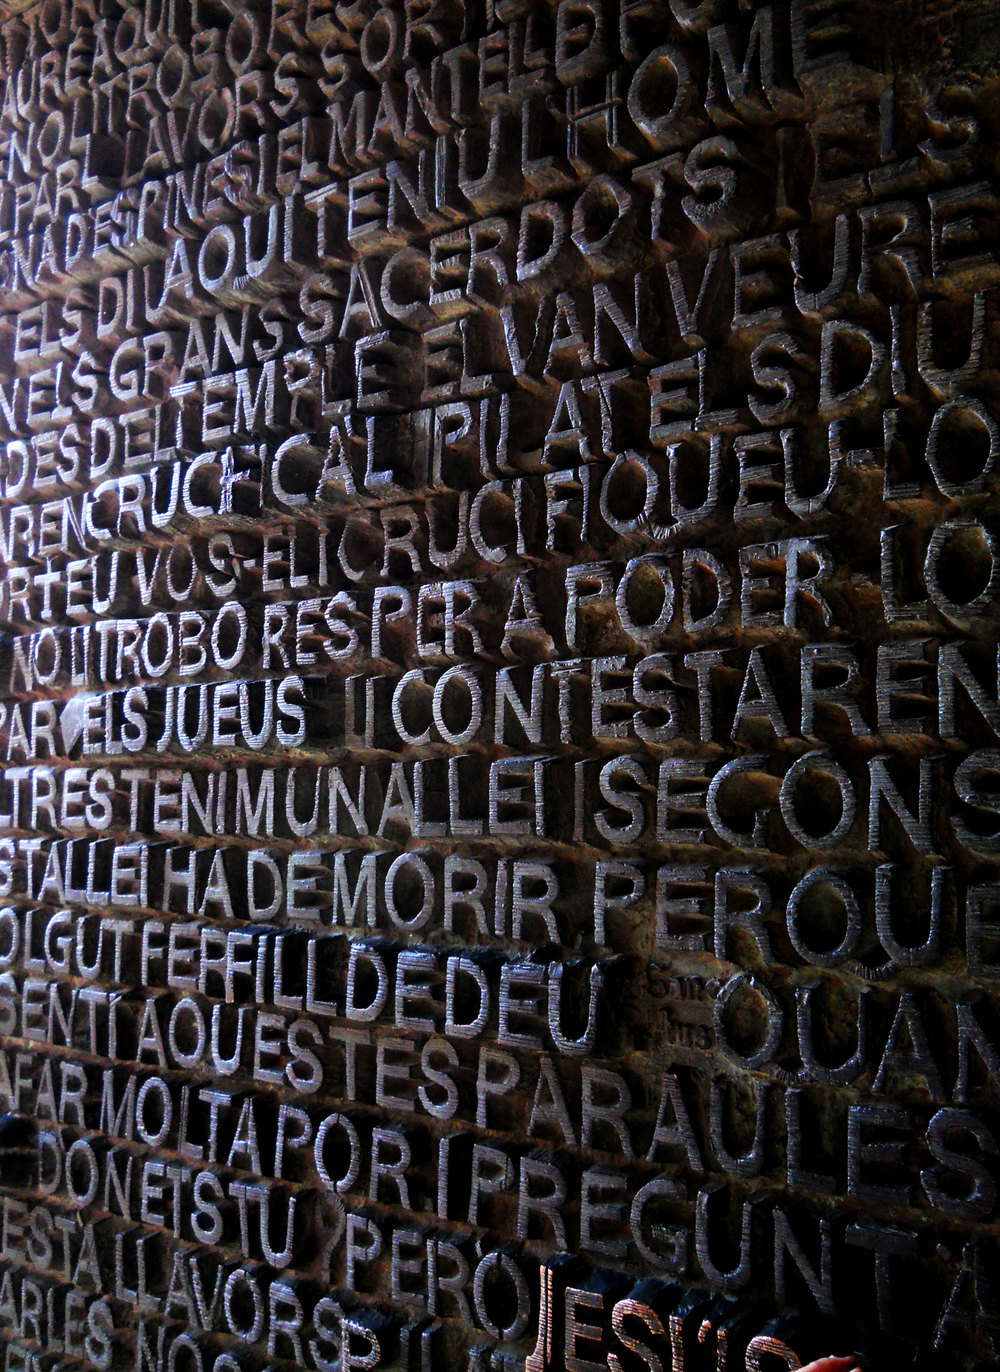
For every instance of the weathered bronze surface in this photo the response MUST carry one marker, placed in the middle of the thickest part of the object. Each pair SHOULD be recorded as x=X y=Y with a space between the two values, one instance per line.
x=500 y=739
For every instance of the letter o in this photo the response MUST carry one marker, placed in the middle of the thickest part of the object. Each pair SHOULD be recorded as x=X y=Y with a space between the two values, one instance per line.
x=345 y=1182
x=592 y=236
x=160 y=623
x=646 y=633
x=251 y=1332
x=960 y=611
x=147 y=1088
x=54 y=22
x=81 y=1149
x=962 y=405
x=127 y=38
x=426 y=877
x=221 y=235
x=824 y=876
x=46 y=638
x=215 y=124
x=468 y=677
x=381 y=46
x=173 y=74
x=743 y=981
x=244 y=43
x=652 y=483
x=663 y=69
x=184 y=1343
x=190 y=1007
x=231 y=609
x=176 y=592
x=51 y=138
x=818 y=762
x=504 y=1263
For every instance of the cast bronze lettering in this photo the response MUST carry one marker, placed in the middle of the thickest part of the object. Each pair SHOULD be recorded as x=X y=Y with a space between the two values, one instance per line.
x=500 y=685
